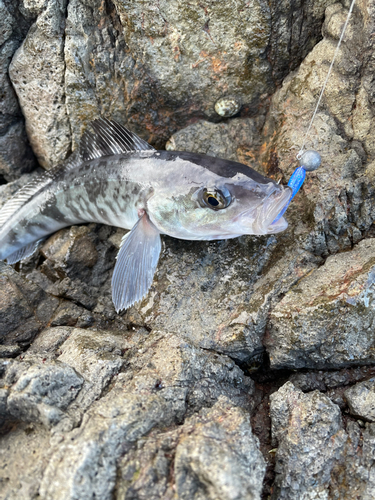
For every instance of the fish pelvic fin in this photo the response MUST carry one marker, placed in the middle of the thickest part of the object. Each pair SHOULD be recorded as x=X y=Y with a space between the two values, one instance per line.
x=24 y=252
x=110 y=138
x=136 y=264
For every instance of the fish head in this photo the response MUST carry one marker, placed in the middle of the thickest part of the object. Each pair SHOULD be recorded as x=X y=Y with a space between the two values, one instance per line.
x=221 y=209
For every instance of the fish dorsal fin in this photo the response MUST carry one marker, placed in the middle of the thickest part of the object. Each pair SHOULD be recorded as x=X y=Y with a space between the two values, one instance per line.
x=26 y=192
x=23 y=195
x=110 y=138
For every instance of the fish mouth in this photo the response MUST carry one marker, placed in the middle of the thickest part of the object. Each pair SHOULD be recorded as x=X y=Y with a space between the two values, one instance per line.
x=268 y=211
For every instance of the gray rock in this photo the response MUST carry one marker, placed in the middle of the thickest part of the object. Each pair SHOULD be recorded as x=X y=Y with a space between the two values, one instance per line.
x=335 y=207
x=24 y=308
x=361 y=399
x=354 y=475
x=16 y=156
x=41 y=94
x=26 y=444
x=327 y=319
x=235 y=140
x=42 y=392
x=151 y=67
x=84 y=466
x=213 y=294
x=309 y=433
x=323 y=380
x=218 y=458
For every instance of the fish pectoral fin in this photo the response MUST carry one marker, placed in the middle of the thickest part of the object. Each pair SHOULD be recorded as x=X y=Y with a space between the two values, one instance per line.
x=136 y=264
x=24 y=252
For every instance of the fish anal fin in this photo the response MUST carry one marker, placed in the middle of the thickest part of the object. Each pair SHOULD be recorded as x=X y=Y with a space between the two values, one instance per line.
x=110 y=138
x=24 y=252
x=136 y=264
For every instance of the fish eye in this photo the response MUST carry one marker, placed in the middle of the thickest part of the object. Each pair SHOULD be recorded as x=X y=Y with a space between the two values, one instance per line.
x=216 y=199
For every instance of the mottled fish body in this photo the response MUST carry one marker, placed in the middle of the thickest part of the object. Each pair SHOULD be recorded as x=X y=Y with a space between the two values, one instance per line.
x=116 y=178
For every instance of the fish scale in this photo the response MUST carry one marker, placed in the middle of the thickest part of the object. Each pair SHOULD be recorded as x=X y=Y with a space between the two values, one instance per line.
x=117 y=178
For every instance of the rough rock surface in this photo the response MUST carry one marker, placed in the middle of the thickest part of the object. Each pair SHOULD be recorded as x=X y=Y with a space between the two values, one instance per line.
x=327 y=319
x=247 y=371
x=154 y=66
x=16 y=156
x=361 y=399
x=310 y=437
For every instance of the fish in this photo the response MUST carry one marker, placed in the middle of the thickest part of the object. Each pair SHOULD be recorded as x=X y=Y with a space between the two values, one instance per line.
x=116 y=178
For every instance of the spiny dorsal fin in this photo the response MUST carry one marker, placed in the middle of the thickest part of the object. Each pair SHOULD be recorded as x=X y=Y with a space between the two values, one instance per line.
x=110 y=138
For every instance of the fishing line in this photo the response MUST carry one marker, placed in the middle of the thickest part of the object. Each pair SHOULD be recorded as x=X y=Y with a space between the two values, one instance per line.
x=310 y=160
x=300 y=152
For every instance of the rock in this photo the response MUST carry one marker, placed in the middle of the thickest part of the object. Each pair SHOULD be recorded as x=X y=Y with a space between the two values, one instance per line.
x=41 y=94
x=85 y=465
x=219 y=457
x=309 y=433
x=97 y=431
x=235 y=140
x=146 y=396
x=209 y=292
x=16 y=156
x=354 y=476
x=24 y=308
x=335 y=208
x=26 y=444
x=150 y=67
x=361 y=399
x=41 y=392
x=323 y=380
x=234 y=467
x=326 y=320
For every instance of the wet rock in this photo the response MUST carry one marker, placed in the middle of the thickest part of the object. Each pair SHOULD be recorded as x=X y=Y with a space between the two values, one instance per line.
x=361 y=399
x=85 y=465
x=24 y=308
x=326 y=320
x=41 y=392
x=309 y=433
x=323 y=380
x=69 y=314
x=9 y=351
x=149 y=394
x=234 y=467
